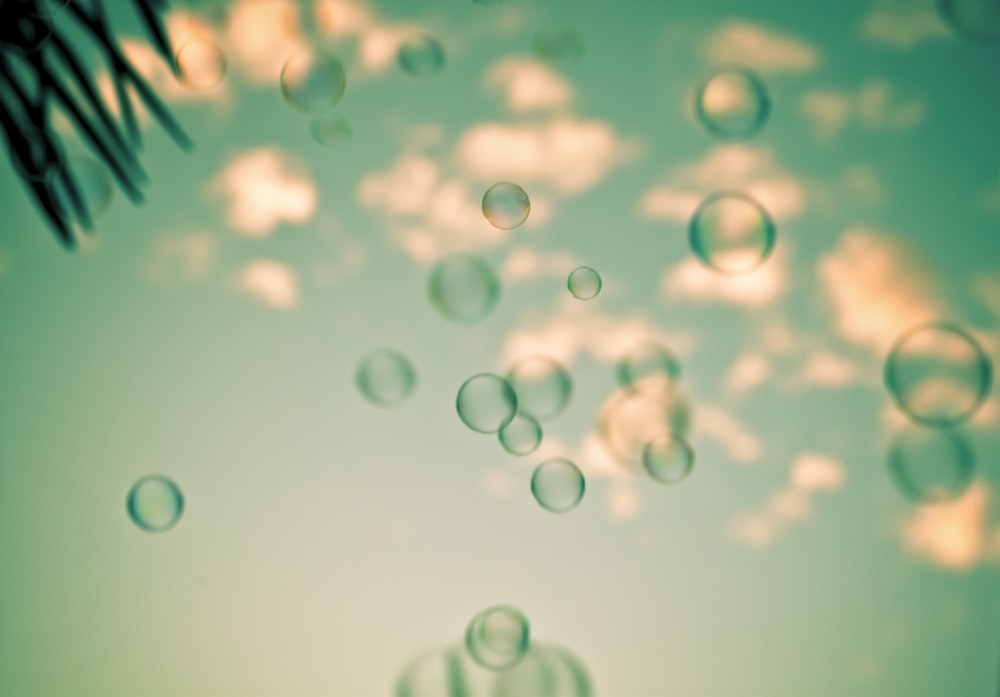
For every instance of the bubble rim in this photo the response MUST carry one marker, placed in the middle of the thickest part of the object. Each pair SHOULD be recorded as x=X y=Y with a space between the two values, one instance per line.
x=477 y=626
x=906 y=486
x=131 y=504
x=413 y=45
x=564 y=377
x=584 y=269
x=770 y=236
x=362 y=381
x=670 y=438
x=527 y=199
x=623 y=370
x=534 y=483
x=757 y=85
x=314 y=54
x=539 y=435
x=510 y=391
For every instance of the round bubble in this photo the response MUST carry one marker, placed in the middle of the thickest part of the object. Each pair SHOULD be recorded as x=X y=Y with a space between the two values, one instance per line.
x=437 y=673
x=668 y=459
x=532 y=676
x=631 y=419
x=385 y=378
x=331 y=129
x=558 y=45
x=202 y=64
x=543 y=387
x=584 y=283
x=977 y=20
x=421 y=56
x=522 y=435
x=732 y=104
x=93 y=188
x=313 y=82
x=498 y=637
x=937 y=374
x=506 y=205
x=931 y=465
x=463 y=288
x=486 y=403
x=558 y=485
x=731 y=232
x=645 y=364
x=155 y=503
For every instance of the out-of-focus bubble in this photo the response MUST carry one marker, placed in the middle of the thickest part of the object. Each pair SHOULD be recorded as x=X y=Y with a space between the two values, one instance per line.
x=978 y=20
x=498 y=637
x=463 y=288
x=569 y=677
x=543 y=387
x=93 y=186
x=558 y=45
x=731 y=232
x=558 y=485
x=331 y=129
x=532 y=676
x=584 y=283
x=437 y=673
x=202 y=64
x=385 y=378
x=486 y=403
x=421 y=56
x=937 y=374
x=522 y=435
x=630 y=419
x=732 y=104
x=313 y=82
x=668 y=459
x=931 y=465
x=506 y=205
x=645 y=363
x=155 y=503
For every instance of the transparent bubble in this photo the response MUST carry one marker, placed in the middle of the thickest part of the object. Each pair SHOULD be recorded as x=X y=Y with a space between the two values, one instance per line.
x=584 y=283
x=732 y=104
x=543 y=387
x=532 y=676
x=155 y=503
x=331 y=129
x=731 y=232
x=937 y=374
x=463 y=288
x=668 y=459
x=522 y=435
x=931 y=465
x=569 y=677
x=498 y=637
x=386 y=378
x=506 y=205
x=437 y=673
x=486 y=403
x=93 y=187
x=646 y=362
x=313 y=82
x=978 y=20
x=631 y=419
x=50 y=8
x=558 y=485
x=558 y=45
x=421 y=56
x=202 y=64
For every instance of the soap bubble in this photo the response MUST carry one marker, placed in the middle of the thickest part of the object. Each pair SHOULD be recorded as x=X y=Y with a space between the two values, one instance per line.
x=437 y=673
x=937 y=374
x=584 y=283
x=331 y=129
x=385 y=378
x=155 y=503
x=558 y=44
x=421 y=56
x=558 y=485
x=486 y=403
x=543 y=387
x=668 y=459
x=931 y=465
x=498 y=637
x=202 y=64
x=313 y=82
x=506 y=205
x=732 y=104
x=522 y=435
x=978 y=20
x=731 y=232
x=463 y=288
x=631 y=419
x=646 y=362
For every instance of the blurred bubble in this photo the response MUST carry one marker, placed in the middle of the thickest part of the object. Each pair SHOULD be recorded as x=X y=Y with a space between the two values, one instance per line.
x=522 y=435
x=386 y=378
x=313 y=82
x=421 y=56
x=506 y=205
x=486 y=403
x=646 y=362
x=202 y=64
x=558 y=485
x=331 y=129
x=732 y=104
x=937 y=374
x=532 y=676
x=463 y=288
x=569 y=677
x=731 y=232
x=558 y=45
x=668 y=459
x=630 y=419
x=155 y=503
x=931 y=465
x=498 y=637
x=543 y=387
x=487 y=2
x=584 y=283
x=437 y=673
x=93 y=185
x=978 y=20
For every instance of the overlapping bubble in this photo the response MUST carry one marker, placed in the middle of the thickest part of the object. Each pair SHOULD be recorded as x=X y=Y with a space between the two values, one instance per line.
x=522 y=435
x=155 y=503
x=331 y=129
x=498 y=637
x=645 y=363
x=668 y=458
x=486 y=403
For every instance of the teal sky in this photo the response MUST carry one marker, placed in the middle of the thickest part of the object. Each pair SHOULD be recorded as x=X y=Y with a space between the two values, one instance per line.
x=212 y=334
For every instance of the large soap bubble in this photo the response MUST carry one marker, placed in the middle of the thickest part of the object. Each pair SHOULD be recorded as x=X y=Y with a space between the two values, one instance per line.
x=421 y=56
x=155 y=503
x=731 y=232
x=506 y=205
x=498 y=637
x=386 y=378
x=931 y=465
x=558 y=485
x=542 y=385
x=732 y=104
x=463 y=288
x=486 y=403
x=313 y=81
x=978 y=20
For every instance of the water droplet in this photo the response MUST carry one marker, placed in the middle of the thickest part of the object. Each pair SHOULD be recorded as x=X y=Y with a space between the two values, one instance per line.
x=584 y=283
x=732 y=103
x=522 y=435
x=202 y=64
x=331 y=129
x=463 y=288
x=558 y=485
x=386 y=378
x=977 y=20
x=498 y=637
x=668 y=459
x=506 y=205
x=313 y=82
x=486 y=403
x=931 y=465
x=421 y=56
x=543 y=387
x=731 y=232
x=155 y=503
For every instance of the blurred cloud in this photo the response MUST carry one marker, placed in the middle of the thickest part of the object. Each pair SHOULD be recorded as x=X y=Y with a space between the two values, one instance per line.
x=760 y=47
x=741 y=444
x=497 y=483
x=824 y=368
x=953 y=535
x=378 y=39
x=181 y=258
x=525 y=263
x=692 y=280
x=272 y=283
x=528 y=84
x=747 y=372
x=261 y=35
x=874 y=107
x=814 y=472
x=903 y=24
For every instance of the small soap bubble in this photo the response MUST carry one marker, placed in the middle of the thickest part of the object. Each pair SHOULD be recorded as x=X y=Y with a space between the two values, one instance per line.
x=976 y=20
x=631 y=419
x=313 y=81
x=584 y=283
x=155 y=503
x=937 y=374
x=645 y=363
x=731 y=232
x=202 y=64
x=931 y=465
x=386 y=378
x=463 y=288
x=668 y=459
x=558 y=485
x=486 y=403
x=732 y=104
x=558 y=45
x=522 y=435
x=421 y=56
x=542 y=385
x=498 y=637
x=331 y=129
x=506 y=205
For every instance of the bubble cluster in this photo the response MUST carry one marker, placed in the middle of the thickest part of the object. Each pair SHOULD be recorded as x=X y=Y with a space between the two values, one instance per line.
x=486 y=403
x=202 y=64
x=631 y=419
x=463 y=288
x=498 y=637
x=668 y=458
x=558 y=485
x=385 y=378
x=732 y=103
x=506 y=205
x=584 y=283
x=421 y=56
x=522 y=435
x=331 y=129
x=646 y=363
x=977 y=20
x=155 y=503
x=313 y=81
x=558 y=44
x=931 y=465
x=731 y=232
x=542 y=385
